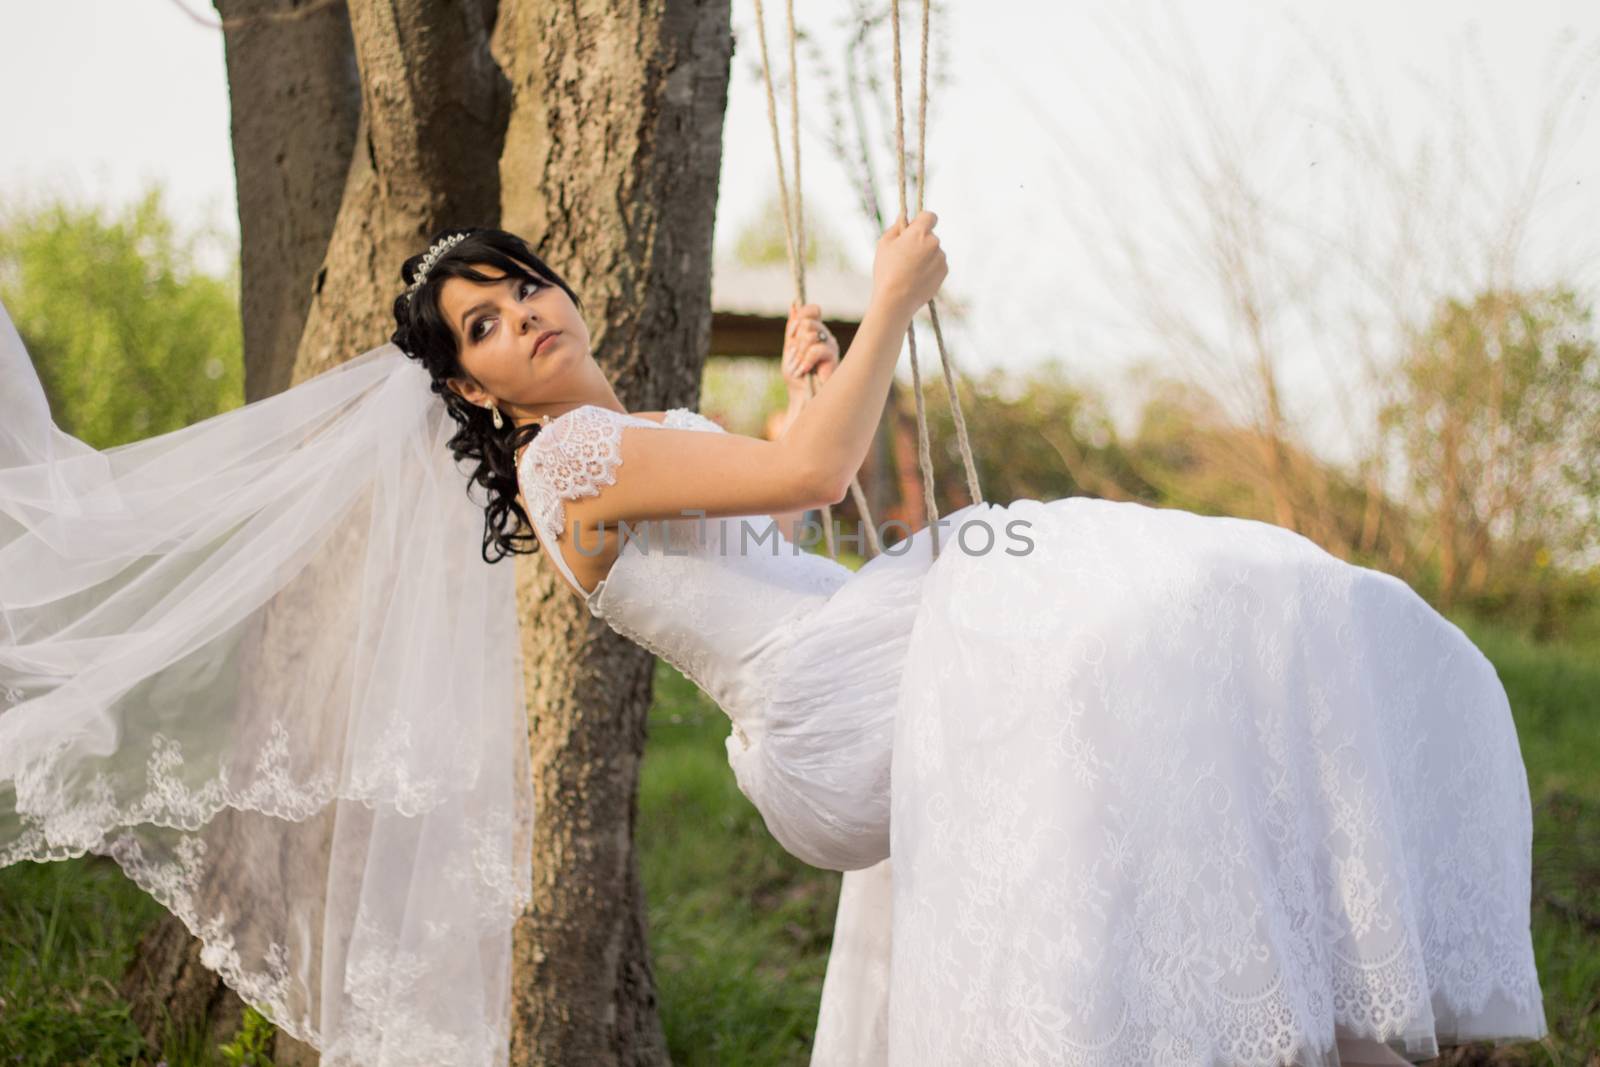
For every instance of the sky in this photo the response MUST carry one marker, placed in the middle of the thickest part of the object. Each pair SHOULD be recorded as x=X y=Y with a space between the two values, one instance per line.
x=1062 y=135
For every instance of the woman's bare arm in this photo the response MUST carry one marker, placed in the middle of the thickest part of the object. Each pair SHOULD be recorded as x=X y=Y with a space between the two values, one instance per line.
x=673 y=474
x=836 y=426
x=788 y=522
x=669 y=473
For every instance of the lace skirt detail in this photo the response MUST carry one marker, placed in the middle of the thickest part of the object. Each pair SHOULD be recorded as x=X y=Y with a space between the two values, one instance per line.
x=1188 y=790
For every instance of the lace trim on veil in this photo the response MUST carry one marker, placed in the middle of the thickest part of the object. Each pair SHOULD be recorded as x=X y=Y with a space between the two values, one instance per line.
x=260 y=663
x=381 y=978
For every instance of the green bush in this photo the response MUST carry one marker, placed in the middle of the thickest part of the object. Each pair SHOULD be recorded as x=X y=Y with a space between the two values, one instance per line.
x=129 y=339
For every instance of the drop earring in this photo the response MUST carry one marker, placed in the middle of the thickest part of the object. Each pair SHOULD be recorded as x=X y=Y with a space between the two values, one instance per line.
x=494 y=414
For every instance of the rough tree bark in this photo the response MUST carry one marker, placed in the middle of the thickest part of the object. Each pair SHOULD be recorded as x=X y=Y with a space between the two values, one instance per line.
x=605 y=122
x=295 y=99
x=610 y=170
x=432 y=110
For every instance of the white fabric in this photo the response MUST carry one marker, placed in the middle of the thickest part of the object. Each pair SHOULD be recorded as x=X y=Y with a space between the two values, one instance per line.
x=853 y=1017
x=261 y=663
x=718 y=598
x=1166 y=788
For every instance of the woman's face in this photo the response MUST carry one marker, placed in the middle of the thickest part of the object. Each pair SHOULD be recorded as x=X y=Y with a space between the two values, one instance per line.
x=523 y=343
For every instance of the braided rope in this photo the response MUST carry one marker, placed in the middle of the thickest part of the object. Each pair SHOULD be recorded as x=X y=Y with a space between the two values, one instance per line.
x=924 y=456
x=796 y=265
x=794 y=233
x=962 y=441
x=794 y=150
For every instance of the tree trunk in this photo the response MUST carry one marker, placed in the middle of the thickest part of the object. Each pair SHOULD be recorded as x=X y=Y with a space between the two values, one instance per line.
x=615 y=130
x=1449 y=508
x=433 y=120
x=295 y=100
x=610 y=171
x=424 y=154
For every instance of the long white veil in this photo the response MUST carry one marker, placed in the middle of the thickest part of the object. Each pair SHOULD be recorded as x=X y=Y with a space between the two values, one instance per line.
x=261 y=663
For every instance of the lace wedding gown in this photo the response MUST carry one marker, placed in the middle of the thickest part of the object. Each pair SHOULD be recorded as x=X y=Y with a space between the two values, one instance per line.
x=1159 y=788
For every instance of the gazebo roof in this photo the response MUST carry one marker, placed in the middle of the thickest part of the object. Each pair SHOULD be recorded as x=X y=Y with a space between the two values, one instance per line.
x=765 y=291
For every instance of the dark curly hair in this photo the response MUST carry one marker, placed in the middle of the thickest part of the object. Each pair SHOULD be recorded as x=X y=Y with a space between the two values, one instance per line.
x=423 y=334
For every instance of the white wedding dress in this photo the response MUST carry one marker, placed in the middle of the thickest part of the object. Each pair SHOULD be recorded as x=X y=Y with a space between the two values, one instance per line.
x=1159 y=789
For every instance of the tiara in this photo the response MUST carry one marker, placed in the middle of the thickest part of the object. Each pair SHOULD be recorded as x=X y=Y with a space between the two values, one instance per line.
x=439 y=248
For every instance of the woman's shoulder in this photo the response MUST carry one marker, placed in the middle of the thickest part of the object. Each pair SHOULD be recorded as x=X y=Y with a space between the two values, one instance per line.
x=588 y=414
x=587 y=421
x=583 y=420
x=577 y=453
x=672 y=418
x=677 y=416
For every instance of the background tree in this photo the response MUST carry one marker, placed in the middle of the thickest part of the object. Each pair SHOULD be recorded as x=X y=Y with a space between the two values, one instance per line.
x=761 y=241
x=1497 y=425
x=128 y=338
x=594 y=130
x=294 y=90
x=611 y=168
x=1275 y=228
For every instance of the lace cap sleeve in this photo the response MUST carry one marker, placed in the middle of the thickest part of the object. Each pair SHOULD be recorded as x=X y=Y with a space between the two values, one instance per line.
x=573 y=457
x=578 y=454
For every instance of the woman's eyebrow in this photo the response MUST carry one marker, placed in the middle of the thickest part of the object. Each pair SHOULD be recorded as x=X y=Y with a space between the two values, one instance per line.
x=481 y=305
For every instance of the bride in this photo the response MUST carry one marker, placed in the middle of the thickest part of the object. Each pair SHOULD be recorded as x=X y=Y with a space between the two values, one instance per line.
x=1157 y=787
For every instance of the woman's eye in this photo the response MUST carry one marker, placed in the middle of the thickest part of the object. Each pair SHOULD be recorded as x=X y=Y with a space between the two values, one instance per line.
x=525 y=288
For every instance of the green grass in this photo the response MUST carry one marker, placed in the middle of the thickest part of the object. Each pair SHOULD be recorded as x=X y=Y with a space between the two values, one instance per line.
x=739 y=930
x=66 y=933
x=1555 y=700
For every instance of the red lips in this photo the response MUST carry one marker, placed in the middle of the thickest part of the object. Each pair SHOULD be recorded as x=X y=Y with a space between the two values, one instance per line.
x=544 y=339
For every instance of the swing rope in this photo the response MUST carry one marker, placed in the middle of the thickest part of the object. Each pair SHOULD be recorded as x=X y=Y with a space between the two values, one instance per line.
x=794 y=243
x=794 y=237
x=924 y=457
